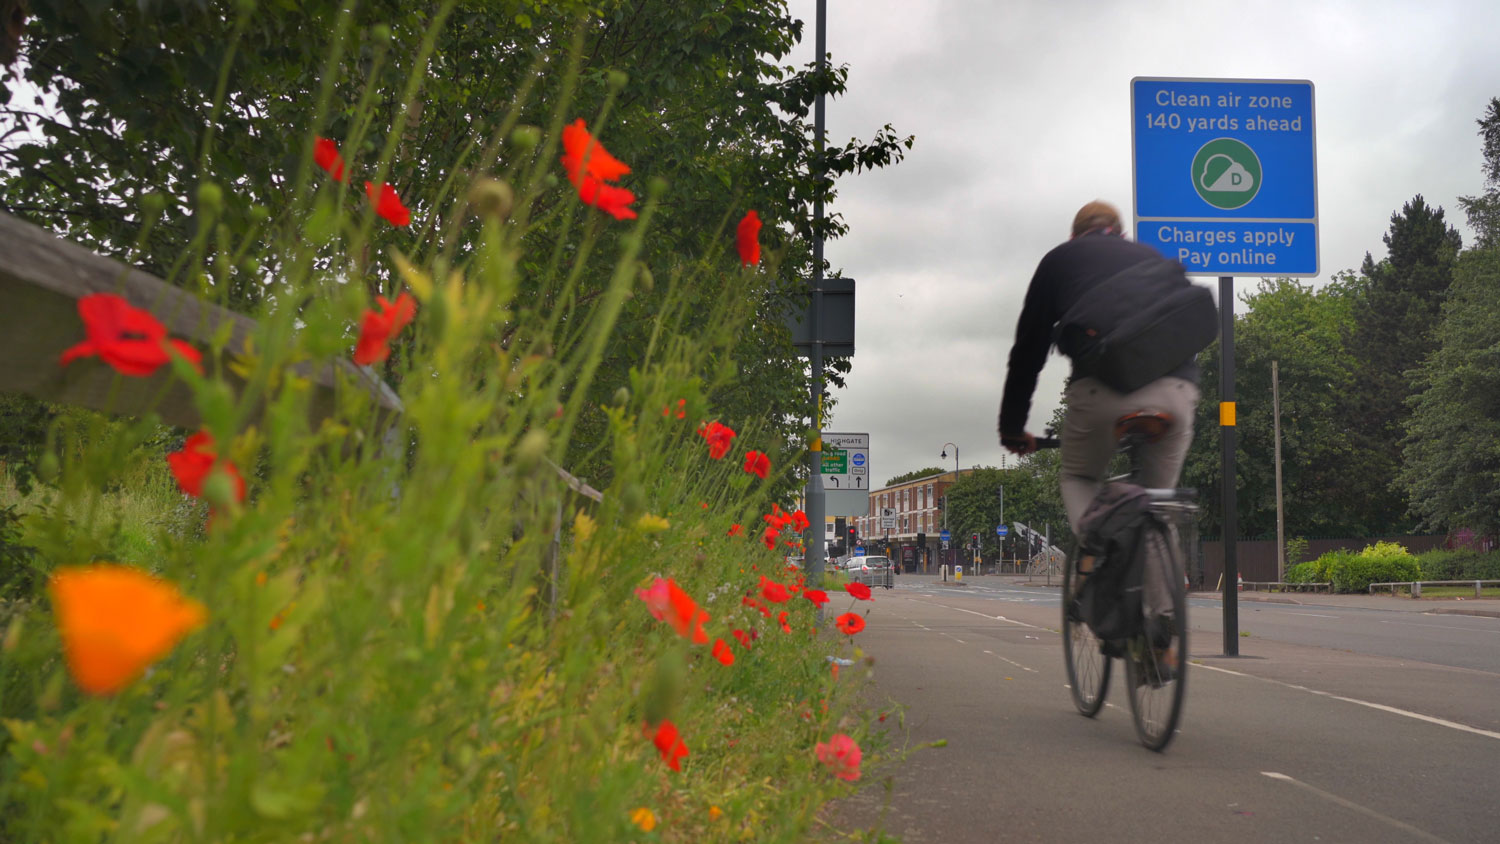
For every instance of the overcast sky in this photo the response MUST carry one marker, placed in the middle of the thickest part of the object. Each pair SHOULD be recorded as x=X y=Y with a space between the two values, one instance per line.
x=1021 y=112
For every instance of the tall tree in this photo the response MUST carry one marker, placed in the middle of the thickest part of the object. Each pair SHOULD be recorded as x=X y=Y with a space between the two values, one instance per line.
x=1396 y=314
x=1483 y=210
x=1302 y=328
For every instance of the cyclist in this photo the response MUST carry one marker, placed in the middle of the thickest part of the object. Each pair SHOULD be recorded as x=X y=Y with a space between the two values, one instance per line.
x=1096 y=251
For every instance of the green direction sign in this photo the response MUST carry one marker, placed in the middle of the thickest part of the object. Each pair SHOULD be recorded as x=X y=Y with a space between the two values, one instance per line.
x=835 y=461
x=1226 y=173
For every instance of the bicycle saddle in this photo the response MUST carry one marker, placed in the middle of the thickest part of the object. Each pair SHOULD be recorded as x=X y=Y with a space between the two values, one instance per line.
x=1149 y=425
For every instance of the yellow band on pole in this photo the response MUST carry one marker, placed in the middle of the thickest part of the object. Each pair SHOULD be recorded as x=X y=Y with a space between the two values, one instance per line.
x=1226 y=414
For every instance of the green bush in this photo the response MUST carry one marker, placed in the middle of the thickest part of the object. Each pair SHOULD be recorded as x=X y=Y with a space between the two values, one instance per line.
x=1460 y=564
x=1324 y=568
x=1303 y=573
x=1383 y=562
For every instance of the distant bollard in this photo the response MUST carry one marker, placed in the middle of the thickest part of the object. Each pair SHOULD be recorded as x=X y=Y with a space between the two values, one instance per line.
x=958 y=573
x=943 y=571
x=1416 y=590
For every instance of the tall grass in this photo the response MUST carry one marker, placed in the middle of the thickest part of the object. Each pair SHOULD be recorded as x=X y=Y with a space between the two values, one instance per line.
x=417 y=631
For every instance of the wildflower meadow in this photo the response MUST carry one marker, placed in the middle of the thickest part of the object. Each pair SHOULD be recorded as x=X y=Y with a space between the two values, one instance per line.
x=418 y=624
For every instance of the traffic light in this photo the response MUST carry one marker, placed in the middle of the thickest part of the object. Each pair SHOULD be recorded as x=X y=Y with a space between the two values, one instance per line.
x=853 y=535
x=974 y=540
x=922 y=540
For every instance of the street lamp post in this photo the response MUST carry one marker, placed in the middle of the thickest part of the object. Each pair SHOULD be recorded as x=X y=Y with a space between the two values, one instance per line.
x=955 y=479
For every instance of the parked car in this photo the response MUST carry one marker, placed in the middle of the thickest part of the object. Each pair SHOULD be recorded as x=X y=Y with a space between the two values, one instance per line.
x=867 y=564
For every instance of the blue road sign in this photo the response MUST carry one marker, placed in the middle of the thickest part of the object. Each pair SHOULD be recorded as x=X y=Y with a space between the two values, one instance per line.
x=1226 y=174
x=945 y=535
x=1001 y=530
x=858 y=459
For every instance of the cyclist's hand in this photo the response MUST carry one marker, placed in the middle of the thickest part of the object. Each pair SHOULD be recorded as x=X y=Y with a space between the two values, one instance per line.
x=1022 y=445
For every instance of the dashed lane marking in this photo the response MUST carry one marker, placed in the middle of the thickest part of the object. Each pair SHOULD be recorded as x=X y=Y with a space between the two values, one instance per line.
x=1350 y=804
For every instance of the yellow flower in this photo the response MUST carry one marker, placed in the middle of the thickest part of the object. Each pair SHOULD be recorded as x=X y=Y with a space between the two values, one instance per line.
x=116 y=620
x=652 y=524
x=714 y=813
x=583 y=526
x=643 y=818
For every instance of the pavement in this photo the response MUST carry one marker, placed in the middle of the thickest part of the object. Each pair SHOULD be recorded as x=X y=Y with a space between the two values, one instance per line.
x=1488 y=607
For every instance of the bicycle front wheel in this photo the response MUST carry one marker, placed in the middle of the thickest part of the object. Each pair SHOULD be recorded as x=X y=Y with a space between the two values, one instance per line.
x=1156 y=661
x=1088 y=667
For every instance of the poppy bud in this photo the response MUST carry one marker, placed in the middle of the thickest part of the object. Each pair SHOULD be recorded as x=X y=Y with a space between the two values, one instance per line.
x=259 y=214
x=491 y=198
x=533 y=447
x=656 y=186
x=380 y=33
x=634 y=498
x=665 y=690
x=525 y=137
x=250 y=265
x=622 y=396
x=219 y=490
x=617 y=79
x=644 y=278
x=210 y=197
x=153 y=204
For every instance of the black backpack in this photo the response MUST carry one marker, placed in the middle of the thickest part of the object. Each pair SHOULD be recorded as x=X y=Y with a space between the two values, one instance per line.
x=1138 y=325
x=1111 y=599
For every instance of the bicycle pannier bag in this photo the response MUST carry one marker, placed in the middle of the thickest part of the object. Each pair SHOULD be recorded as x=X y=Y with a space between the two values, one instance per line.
x=1111 y=598
x=1138 y=325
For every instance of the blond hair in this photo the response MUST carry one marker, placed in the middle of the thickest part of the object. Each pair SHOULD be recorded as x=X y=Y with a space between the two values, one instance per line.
x=1095 y=215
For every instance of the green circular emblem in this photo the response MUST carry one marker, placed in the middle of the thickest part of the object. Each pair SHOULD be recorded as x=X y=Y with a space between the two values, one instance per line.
x=1226 y=173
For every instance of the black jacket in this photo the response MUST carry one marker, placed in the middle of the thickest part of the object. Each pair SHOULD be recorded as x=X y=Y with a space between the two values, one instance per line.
x=1063 y=277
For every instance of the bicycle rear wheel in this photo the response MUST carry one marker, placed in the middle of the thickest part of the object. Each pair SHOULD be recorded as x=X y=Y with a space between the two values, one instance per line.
x=1088 y=667
x=1156 y=662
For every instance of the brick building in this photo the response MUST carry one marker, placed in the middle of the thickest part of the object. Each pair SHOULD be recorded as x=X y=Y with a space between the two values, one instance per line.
x=918 y=511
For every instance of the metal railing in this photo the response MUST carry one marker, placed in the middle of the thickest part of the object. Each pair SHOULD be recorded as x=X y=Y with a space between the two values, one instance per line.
x=1415 y=586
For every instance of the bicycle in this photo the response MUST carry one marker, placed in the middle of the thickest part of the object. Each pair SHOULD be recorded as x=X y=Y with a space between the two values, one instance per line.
x=1156 y=659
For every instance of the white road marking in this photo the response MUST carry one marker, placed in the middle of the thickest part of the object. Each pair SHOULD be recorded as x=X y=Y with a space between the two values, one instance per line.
x=982 y=615
x=1441 y=722
x=1349 y=804
x=1302 y=614
x=1011 y=661
x=1441 y=626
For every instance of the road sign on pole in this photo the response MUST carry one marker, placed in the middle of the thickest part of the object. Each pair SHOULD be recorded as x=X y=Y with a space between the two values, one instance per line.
x=1001 y=530
x=1226 y=174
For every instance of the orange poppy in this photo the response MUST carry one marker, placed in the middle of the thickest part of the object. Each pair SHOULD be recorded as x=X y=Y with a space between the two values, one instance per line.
x=817 y=596
x=589 y=166
x=192 y=465
x=667 y=602
x=117 y=620
x=718 y=437
x=858 y=590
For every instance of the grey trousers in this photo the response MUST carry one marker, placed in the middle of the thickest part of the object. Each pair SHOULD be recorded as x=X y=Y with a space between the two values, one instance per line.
x=1088 y=443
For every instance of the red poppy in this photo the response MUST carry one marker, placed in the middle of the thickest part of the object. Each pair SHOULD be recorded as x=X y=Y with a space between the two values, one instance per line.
x=743 y=637
x=736 y=530
x=785 y=628
x=196 y=460
x=747 y=239
x=835 y=667
x=125 y=337
x=669 y=744
x=769 y=536
x=858 y=590
x=667 y=602
x=326 y=154
x=817 y=596
x=388 y=204
x=776 y=518
x=849 y=623
x=666 y=409
x=380 y=326
x=590 y=166
x=717 y=436
x=842 y=756
x=722 y=652
x=773 y=591
x=757 y=464
x=799 y=521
